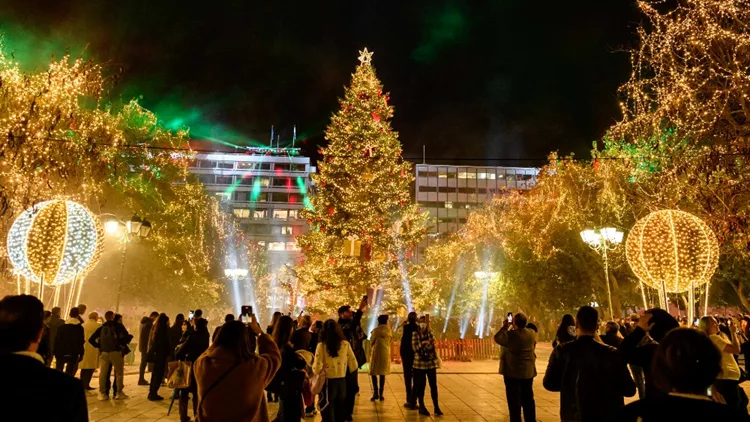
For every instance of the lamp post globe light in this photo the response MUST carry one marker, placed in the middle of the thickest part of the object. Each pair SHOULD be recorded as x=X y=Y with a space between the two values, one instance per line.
x=604 y=240
x=125 y=232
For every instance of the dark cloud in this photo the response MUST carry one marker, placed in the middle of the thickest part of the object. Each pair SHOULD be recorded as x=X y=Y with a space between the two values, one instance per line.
x=502 y=78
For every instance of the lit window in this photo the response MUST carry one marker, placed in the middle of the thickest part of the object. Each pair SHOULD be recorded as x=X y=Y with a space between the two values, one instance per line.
x=241 y=212
x=467 y=206
x=265 y=181
x=286 y=230
x=293 y=214
x=262 y=244
x=481 y=175
x=292 y=246
x=259 y=214
x=491 y=175
x=276 y=246
x=280 y=214
x=449 y=205
x=463 y=175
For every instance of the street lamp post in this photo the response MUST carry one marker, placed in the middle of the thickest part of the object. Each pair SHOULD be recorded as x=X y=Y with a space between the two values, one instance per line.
x=602 y=241
x=133 y=229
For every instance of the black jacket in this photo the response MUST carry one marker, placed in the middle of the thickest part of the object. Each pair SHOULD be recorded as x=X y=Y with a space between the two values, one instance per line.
x=33 y=392
x=175 y=334
x=192 y=346
x=592 y=379
x=69 y=341
x=314 y=338
x=159 y=350
x=352 y=329
x=612 y=339
x=406 y=349
x=123 y=337
x=675 y=408
x=641 y=355
x=54 y=323
x=146 y=324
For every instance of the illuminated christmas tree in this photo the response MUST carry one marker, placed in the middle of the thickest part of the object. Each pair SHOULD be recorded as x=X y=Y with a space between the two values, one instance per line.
x=362 y=222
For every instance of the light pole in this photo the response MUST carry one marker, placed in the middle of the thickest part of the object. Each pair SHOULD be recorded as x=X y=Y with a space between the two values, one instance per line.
x=126 y=231
x=603 y=240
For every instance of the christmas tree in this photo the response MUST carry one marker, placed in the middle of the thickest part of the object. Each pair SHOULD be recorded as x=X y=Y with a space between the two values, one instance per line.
x=362 y=222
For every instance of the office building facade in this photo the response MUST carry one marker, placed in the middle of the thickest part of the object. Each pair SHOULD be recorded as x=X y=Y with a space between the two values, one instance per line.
x=449 y=192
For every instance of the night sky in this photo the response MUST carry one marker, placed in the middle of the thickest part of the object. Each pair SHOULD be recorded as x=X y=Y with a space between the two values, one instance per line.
x=501 y=79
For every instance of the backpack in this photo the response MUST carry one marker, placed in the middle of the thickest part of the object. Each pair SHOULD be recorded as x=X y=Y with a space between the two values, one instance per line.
x=108 y=338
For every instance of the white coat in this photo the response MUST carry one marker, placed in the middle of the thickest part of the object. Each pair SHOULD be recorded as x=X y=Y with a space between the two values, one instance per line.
x=90 y=353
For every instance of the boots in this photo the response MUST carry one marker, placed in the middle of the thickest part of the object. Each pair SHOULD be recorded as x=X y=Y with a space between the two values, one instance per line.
x=374 y=393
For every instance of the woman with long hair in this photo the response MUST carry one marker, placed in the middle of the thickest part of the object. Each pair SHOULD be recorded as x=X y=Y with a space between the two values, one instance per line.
x=231 y=378
x=285 y=385
x=380 y=361
x=158 y=353
x=335 y=356
x=566 y=331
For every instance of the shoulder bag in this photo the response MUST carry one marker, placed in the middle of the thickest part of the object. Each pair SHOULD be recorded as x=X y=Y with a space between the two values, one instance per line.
x=209 y=389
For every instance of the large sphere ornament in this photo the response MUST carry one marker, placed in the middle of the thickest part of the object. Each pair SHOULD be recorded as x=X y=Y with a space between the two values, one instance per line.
x=671 y=249
x=55 y=242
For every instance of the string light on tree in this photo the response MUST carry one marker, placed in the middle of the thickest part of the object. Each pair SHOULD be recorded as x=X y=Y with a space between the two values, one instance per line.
x=672 y=251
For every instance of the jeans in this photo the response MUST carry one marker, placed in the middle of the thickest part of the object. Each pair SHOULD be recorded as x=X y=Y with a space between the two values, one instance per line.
x=157 y=377
x=109 y=383
x=332 y=400
x=520 y=394
x=352 y=388
x=108 y=360
x=408 y=363
x=421 y=377
x=639 y=380
x=86 y=375
x=375 y=386
x=70 y=363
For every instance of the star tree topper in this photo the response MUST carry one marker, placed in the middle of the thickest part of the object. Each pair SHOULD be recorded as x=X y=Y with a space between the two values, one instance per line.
x=365 y=57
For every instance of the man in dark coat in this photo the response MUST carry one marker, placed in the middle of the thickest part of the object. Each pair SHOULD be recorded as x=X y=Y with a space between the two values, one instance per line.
x=69 y=344
x=611 y=337
x=518 y=366
x=407 y=359
x=639 y=347
x=592 y=377
x=32 y=391
x=54 y=323
x=146 y=324
x=351 y=326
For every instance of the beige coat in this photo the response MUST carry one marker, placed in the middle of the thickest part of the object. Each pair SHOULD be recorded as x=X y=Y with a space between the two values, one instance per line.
x=90 y=353
x=380 y=341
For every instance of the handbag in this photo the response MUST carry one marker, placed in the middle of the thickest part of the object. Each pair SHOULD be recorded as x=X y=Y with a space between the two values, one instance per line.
x=179 y=374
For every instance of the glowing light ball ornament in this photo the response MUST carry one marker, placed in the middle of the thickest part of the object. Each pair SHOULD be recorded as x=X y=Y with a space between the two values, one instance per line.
x=55 y=242
x=672 y=251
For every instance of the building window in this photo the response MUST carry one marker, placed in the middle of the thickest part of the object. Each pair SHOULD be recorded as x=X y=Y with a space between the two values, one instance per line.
x=481 y=175
x=242 y=196
x=281 y=181
x=276 y=246
x=449 y=205
x=286 y=230
x=226 y=165
x=428 y=189
x=224 y=180
x=293 y=214
x=241 y=212
x=292 y=246
x=245 y=165
x=205 y=164
x=280 y=214
x=259 y=214
x=262 y=244
x=294 y=198
x=206 y=179
x=279 y=197
x=245 y=180
x=263 y=166
x=265 y=181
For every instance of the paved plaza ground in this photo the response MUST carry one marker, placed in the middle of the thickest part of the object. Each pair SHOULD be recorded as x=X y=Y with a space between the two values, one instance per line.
x=468 y=391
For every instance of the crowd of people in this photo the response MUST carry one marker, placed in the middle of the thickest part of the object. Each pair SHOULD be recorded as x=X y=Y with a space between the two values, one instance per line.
x=679 y=372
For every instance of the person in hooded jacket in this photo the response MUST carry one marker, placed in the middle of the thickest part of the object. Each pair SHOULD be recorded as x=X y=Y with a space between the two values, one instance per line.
x=69 y=344
x=147 y=322
x=192 y=344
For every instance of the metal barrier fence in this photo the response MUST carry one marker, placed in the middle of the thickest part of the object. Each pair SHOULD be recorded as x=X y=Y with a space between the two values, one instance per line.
x=459 y=349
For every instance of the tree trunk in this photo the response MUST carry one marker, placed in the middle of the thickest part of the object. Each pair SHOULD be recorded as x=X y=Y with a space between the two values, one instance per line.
x=739 y=289
x=616 y=304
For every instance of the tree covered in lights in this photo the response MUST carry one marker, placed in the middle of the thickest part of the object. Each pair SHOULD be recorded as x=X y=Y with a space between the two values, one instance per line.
x=62 y=139
x=363 y=196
